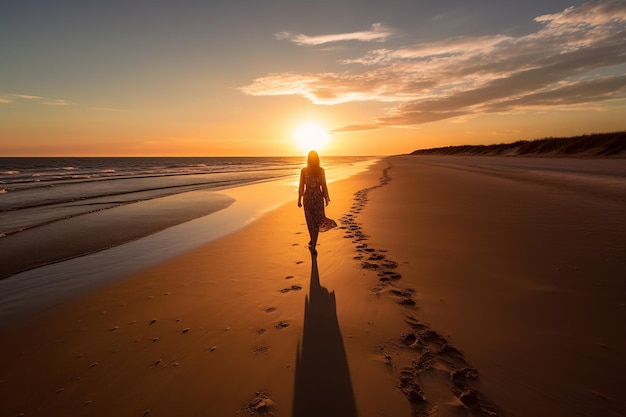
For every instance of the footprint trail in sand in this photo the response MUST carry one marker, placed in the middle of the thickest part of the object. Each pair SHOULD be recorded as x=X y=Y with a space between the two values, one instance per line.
x=432 y=374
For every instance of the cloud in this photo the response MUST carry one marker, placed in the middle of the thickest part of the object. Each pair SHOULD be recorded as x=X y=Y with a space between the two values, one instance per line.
x=378 y=32
x=14 y=98
x=25 y=96
x=576 y=58
x=56 y=103
x=446 y=48
x=10 y=98
x=105 y=109
x=356 y=128
x=593 y=13
x=329 y=88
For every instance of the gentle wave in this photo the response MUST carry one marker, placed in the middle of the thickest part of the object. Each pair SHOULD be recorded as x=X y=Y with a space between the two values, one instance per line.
x=48 y=190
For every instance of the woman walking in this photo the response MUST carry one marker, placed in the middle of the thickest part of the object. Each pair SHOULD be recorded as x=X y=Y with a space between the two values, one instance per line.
x=314 y=192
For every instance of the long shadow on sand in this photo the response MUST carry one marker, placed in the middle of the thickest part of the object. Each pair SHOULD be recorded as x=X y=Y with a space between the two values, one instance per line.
x=322 y=383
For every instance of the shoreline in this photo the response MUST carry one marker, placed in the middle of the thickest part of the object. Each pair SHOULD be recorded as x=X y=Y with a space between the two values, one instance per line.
x=34 y=290
x=49 y=218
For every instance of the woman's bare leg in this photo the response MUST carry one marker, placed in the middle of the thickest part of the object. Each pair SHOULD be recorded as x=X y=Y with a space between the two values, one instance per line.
x=314 y=234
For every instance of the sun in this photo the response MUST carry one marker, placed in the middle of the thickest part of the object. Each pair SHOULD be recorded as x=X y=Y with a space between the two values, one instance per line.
x=310 y=136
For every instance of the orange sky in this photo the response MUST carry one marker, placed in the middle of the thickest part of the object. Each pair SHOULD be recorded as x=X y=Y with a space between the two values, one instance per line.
x=215 y=79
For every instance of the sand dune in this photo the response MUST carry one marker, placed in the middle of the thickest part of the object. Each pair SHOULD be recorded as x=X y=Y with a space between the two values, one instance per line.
x=594 y=145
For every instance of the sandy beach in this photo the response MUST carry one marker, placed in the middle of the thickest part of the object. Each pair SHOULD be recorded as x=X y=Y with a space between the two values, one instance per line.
x=453 y=287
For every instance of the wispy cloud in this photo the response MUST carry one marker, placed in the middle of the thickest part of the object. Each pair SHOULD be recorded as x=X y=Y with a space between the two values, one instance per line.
x=576 y=58
x=56 y=103
x=592 y=13
x=11 y=98
x=25 y=96
x=378 y=32
x=356 y=128
x=106 y=109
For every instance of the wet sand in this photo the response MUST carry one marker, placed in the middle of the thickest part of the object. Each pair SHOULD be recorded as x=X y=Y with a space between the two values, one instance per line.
x=93 y=232
x=449 y=289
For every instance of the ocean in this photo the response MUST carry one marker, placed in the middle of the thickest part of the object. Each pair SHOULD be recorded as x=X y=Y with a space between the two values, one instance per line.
x=39 y=191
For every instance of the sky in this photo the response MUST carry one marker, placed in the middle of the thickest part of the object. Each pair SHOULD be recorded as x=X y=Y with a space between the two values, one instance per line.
x=246 y=78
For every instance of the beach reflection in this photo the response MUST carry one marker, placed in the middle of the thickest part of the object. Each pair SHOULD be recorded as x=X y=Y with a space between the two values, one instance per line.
x=322 y=382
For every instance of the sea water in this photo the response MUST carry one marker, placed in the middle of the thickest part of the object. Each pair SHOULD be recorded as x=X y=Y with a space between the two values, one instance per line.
x=38 y=191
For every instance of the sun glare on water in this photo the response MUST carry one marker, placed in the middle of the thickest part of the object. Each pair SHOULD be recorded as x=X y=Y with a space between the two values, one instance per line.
x=310 y=136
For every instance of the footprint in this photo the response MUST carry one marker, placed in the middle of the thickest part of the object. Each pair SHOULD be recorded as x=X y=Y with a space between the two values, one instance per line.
x=292 y=288
x=260 y=350
x=369 y=265
x=434 y=352
x=260 y=405
x=385 y=276
x=390 y=264
x=406 y=301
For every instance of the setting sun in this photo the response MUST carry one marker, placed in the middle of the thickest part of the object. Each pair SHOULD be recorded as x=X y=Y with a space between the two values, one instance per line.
x=310 y=136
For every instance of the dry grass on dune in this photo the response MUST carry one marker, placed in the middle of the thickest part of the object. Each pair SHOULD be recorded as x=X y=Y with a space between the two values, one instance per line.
x=594 y=145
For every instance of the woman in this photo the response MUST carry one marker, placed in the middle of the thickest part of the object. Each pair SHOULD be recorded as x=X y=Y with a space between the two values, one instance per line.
x=314 y=191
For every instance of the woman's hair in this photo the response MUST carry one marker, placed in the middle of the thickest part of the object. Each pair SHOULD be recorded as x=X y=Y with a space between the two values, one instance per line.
x=313 y=160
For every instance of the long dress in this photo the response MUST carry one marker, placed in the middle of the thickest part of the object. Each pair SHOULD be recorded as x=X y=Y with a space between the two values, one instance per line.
x=313 y=189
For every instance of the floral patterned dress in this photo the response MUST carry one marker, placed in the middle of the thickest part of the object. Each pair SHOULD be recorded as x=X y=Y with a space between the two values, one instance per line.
x=313 y=190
